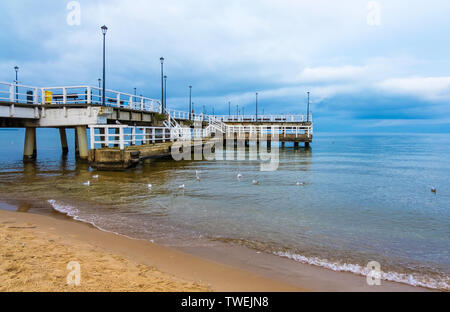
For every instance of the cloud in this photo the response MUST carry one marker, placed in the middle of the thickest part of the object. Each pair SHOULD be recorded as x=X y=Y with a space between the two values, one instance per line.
x=429 y=88
x=230 y=50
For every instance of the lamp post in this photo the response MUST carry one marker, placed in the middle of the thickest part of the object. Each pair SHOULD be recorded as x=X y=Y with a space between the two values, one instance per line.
x=190 y=102
x=165 y=91
x=307 y=113
x=162 y=85
x=104 y=30
x=229 y=109
x=16 y=68
x=256 y=106
x=99 y=88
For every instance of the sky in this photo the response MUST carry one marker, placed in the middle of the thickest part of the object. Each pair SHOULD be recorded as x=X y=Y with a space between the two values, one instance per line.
x=371 y=66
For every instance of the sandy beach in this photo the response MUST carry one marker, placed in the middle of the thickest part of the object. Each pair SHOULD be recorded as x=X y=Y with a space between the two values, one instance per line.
x=35 y=251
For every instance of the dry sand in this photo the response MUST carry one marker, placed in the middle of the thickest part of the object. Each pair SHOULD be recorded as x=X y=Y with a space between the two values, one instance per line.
x=35 y=251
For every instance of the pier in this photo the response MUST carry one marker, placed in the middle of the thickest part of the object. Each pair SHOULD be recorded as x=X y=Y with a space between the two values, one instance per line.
x=129 y=129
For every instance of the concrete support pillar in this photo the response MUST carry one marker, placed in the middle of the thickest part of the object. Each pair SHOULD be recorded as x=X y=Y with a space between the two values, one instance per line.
x=283 y=144
x=296 y=144
x=77 y=149
x=64 y=145
x=29 y=150
x=35 y=145
x=83 y=142
x=307 y=144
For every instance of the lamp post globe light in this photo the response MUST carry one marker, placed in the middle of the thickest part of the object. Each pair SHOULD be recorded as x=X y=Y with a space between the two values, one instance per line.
x=16 y=68
x=162 y=85
x=104 y=30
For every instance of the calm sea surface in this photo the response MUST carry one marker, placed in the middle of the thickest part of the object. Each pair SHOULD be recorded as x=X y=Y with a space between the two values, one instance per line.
x=364 y=198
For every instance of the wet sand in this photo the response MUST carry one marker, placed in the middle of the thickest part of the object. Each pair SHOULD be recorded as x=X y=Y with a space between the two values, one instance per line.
x=36 y=249
x=145 y=266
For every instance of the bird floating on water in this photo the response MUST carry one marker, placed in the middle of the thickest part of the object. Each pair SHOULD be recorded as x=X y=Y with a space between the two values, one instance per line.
x=95 y=177
x=300 y=183
x=149 y=186
x=88 y=183
x=239 y=176
x=255 y=182
x=181 y=187
x=433 y=190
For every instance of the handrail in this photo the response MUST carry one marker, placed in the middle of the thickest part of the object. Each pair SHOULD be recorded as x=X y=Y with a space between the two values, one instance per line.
x=16 y=93
x=123 y=135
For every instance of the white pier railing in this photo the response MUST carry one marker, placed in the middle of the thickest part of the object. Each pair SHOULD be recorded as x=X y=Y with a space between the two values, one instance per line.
x=105 y=136
x=15 y=93
x=271 y=130
x=122 y=136
x=264 y=118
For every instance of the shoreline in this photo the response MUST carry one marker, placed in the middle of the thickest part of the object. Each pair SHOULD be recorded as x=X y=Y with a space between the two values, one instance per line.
x=174 y=270
x=276 y=273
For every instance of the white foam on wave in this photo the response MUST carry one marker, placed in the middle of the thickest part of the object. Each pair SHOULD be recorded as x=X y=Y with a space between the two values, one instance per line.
x=65 y=209
x=410 y=279
x=73 y=212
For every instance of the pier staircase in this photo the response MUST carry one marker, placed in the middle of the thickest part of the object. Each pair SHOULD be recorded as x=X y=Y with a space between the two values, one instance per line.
x=177 y=132
x=216 y=125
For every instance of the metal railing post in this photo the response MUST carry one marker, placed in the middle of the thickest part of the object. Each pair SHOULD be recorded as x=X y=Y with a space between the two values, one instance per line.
x=121 y=139
x=92 y=134
x=11 y=93
x=89 y=95
x=118 y=100
x=106 y=134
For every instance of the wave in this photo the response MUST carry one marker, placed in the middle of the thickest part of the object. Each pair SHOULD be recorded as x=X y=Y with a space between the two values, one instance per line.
x=73 y=212
x=413 y=279
x=418 y=280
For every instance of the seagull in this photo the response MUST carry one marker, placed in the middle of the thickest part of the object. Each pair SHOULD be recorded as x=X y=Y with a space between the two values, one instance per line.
x=118 y=122
x=300 y=183
x=88 y=183
x=255 y=182
x=197 y=178
x=95 y=177
x=434 y=190
x=239 y=176
x=149 y=186
x=181 y=187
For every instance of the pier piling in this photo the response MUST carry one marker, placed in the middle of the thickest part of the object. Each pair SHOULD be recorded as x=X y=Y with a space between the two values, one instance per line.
x=82 y=142
x=30 y=147
x=63 y=137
